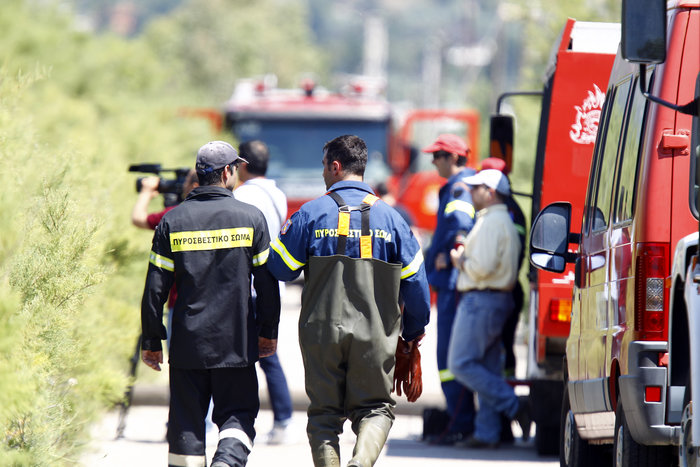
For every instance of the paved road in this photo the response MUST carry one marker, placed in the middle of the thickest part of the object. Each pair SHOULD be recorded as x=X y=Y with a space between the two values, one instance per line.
x=144 y=445
x=144 y=440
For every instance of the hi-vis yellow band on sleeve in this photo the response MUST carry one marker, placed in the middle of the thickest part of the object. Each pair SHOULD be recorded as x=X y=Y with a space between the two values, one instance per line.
x=445 y=376
x=459 y=205
x=198 y=240
x=261 y=258
x=370 y=199
x=161 y=261
x=413 y=267
x=343 y=223
x=288 y=259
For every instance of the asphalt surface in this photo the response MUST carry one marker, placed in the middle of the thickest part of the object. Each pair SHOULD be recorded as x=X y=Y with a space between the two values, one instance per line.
x=143 y=443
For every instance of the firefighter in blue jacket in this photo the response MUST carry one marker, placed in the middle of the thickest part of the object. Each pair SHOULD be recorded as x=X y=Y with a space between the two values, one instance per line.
x=360 y=260
x=455 y=217
x=209 y=245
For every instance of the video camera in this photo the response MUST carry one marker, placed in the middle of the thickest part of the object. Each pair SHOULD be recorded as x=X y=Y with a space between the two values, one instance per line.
x=172 y=190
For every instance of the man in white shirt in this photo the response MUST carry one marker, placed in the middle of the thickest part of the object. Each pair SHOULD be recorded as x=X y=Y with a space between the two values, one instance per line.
x=254 y=188
x=488 y=269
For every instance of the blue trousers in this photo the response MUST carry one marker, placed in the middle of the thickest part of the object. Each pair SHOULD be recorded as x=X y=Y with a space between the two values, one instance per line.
x=475 y=358
x=459 y=399
x=277 y=388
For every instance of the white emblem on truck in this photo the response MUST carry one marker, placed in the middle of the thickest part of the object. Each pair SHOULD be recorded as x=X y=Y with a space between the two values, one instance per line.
x=584 y=130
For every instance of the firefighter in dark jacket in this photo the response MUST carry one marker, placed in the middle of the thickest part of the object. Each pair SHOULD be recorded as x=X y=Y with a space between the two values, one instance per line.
x=359 y=259
x=209 y=246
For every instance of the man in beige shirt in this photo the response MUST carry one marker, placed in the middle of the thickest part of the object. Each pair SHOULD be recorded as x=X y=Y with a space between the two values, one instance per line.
x=488 y=265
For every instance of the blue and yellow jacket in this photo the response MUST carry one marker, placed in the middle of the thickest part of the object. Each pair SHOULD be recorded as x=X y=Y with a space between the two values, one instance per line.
x=455 y=213
x=313 y=231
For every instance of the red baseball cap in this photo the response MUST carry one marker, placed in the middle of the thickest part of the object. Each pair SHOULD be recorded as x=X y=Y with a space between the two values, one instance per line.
x=450 y=143
x=494 y=163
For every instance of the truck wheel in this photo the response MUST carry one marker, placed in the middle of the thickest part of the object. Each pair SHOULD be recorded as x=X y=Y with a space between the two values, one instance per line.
x=547 y=440
x=545 y=415
x=575 y=451
x=629 y=453
x=688 y=455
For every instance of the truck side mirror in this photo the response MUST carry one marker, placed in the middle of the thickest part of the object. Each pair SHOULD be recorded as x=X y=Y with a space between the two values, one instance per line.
x=549 y=238
x=501 y=139
x=644 y=31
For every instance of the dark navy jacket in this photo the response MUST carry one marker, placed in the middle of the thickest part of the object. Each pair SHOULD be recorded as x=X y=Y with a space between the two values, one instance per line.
x=209 y=245
x=455 y=213
x=312 y=231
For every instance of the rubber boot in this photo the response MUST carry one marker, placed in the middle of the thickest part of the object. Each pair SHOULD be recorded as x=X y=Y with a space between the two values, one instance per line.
x=370 y=440
x=326 y=455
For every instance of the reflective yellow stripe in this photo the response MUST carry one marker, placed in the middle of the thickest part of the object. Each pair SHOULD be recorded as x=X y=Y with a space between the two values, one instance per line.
x=365 y=246
x=261 y=258
x=198 y=240
x=161 y=261
x=412 y=268
x=520 y=229
x=182 y=460
x=343 y=223
x=459 y=205
x=288 y=259
x=446 y=375
x=370 y=199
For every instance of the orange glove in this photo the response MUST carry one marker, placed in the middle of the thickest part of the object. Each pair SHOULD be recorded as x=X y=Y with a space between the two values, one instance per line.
x=403 y=365
x=414 y=388
x=408 y=374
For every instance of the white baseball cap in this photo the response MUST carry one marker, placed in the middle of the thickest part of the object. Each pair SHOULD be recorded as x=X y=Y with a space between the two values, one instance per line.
x=492 y=178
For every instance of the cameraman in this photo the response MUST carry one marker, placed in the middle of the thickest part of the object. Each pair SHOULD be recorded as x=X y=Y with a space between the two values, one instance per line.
x=141 y=218
x=149 y=190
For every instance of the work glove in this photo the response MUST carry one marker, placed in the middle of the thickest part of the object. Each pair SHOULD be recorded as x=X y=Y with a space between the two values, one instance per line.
x=408 y=376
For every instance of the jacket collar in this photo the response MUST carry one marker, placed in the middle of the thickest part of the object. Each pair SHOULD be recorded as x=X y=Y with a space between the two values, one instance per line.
x=209 y=191
x=351 y=184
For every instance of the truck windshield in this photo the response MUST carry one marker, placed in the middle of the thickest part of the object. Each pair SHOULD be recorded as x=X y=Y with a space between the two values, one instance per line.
x=296 y=146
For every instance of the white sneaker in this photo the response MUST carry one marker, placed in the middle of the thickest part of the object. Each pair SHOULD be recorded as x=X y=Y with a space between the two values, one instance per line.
x=281 y=433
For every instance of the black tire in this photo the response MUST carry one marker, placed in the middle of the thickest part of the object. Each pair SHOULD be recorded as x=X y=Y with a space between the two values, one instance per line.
x=688 y=456
x=628 y=453
x=547 y=440
x=547 y=420
x=575 y=451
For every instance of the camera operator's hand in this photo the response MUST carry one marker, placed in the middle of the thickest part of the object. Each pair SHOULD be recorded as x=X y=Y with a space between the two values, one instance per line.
x=149 y=190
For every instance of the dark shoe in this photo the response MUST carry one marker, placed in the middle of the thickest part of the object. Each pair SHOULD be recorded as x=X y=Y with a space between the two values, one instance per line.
x=447 y=439
x=475 y=443
x=506 y=431
x=523 y=416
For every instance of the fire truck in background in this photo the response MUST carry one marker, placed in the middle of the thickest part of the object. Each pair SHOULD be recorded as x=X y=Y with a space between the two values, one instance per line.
x=296 y=123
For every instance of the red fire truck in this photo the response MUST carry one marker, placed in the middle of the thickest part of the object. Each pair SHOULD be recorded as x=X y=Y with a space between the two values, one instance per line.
x=296 y=123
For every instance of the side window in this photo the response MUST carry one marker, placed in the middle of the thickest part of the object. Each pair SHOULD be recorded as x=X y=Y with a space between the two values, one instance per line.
x=624 y=204
x=592 y=190
x=601 y=208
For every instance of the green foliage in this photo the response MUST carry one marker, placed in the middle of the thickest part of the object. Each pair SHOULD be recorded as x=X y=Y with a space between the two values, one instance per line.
x=211 y=43
x=75 y=110
x=71 y=120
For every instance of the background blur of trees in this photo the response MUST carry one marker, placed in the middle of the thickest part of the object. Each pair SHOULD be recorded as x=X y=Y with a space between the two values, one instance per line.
x=502 y=43
x=88 y=87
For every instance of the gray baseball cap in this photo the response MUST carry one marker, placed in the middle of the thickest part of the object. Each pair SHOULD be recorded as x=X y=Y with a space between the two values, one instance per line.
x=215 y=155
